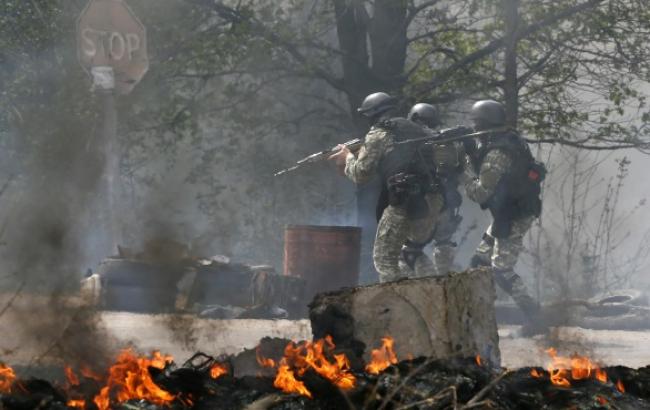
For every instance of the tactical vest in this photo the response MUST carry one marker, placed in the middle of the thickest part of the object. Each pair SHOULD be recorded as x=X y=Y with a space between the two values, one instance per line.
x=517 y=193
x=403 y=170
x=402 y=158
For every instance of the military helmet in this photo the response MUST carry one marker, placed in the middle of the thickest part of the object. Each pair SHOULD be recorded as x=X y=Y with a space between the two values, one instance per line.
x=488 y=113
x=376 y=104
x=424 y=114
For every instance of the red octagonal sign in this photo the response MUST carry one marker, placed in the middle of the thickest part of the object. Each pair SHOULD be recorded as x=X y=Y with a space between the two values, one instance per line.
x=109 y=34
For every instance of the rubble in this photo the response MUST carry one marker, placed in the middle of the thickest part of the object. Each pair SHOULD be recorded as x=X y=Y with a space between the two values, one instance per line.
x=459 y=383
x=166 y=278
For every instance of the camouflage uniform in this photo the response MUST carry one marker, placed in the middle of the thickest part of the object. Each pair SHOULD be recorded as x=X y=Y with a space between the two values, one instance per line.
x=444 y=251
x=501 y=252
x=395 y=225
x=446 y=160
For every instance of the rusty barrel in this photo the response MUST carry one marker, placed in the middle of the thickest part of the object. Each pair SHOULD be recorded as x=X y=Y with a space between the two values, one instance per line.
x=327 y=257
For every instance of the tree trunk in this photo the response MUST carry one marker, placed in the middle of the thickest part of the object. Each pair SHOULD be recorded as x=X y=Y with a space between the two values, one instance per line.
x=364 y=74
x=511 y=87
x=352 y=30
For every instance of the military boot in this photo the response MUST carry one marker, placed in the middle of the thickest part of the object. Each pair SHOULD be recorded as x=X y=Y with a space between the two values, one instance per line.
x=512 y=283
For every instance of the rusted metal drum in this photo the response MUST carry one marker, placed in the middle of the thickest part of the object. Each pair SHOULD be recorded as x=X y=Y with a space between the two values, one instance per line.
x=327 y=257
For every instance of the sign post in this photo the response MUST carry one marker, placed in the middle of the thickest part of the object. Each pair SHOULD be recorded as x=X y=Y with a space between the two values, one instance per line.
x=112 y=48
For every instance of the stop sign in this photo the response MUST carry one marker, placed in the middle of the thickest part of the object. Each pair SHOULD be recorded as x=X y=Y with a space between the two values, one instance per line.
x=109 y=34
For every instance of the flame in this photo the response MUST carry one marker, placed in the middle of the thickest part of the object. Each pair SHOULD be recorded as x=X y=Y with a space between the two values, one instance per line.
x=383 y=357
x=535 y=373
x=72 y=378
x=478 y=360
x=311 y=355
x=7 y=377
x=77 y=404
x=576 y=367
x=263 y=361
x=88 y=373
x=129 y=378
x=286 y=381
x=299 y=358
x=601 y=400
x=217 y=370
x=620 y=387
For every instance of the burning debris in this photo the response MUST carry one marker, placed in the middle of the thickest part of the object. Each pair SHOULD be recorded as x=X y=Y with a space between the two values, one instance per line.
x=311 y=375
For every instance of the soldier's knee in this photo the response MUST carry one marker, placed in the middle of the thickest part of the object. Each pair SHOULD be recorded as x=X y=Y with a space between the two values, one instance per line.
x=388 y=268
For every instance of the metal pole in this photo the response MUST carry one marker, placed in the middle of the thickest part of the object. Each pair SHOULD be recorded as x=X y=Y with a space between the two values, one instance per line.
x=104 y=84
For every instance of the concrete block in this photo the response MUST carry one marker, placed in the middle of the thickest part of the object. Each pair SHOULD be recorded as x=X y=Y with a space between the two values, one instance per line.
x=435 y=317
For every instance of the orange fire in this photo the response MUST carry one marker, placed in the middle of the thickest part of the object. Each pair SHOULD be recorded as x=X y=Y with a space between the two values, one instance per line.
x=217 y=370
x=478 y=360
x=76 y=404
x=88 y=373
x=576 y=367
x=382 y=357
x=7 y=377
x=73 y=380
x=286 y=381
x=129 y=378
x=299 y=358
x=263 y=361
x=311 y=355
x=620 y=386
x=535 y=373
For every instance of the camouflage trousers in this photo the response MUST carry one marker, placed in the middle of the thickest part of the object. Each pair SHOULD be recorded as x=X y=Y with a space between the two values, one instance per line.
x=396 y=228
x=502 y=254
x=444 y=249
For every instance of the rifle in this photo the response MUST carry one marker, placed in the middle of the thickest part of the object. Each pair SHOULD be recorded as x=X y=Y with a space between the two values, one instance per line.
x=434 y=138
x=353 y=145
x=456 y=134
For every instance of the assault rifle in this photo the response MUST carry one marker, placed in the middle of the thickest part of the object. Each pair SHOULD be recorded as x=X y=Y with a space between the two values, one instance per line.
x=446 y=136
x=353 y=145
x=455 y=134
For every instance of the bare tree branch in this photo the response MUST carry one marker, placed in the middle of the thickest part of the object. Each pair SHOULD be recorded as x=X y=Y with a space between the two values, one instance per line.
x=498 y=43
x=235 y=16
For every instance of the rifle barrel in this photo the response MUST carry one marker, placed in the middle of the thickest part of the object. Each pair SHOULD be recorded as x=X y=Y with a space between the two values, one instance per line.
x=432 y=138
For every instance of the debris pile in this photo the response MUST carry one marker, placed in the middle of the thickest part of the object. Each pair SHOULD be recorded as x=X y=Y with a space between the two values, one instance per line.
x=166 y=277
x=312 y=375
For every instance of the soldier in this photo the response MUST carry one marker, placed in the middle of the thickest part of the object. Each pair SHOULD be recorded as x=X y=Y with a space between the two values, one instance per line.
x=504 y=178
x=447 y=165
x=412 y=205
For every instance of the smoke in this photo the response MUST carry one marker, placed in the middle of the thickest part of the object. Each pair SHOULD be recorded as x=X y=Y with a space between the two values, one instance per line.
x=52 y=149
